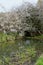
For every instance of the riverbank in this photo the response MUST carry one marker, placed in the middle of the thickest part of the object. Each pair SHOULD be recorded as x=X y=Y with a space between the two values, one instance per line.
x=13 y=37
x=40 y=37
x=19 y=51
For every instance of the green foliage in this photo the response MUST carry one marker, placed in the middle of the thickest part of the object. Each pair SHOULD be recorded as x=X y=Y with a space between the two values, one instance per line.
x=10 y=49
x=13 y=52
x=40 y=60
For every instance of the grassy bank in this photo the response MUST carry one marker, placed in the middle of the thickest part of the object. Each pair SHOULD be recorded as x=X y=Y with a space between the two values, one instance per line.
x=40 y=60
x=14 y=52
x=40 y=37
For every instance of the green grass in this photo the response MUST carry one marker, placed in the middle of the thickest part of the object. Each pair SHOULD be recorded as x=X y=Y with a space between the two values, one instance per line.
x=6 y=37
x=21 y=51
x=40 y=60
